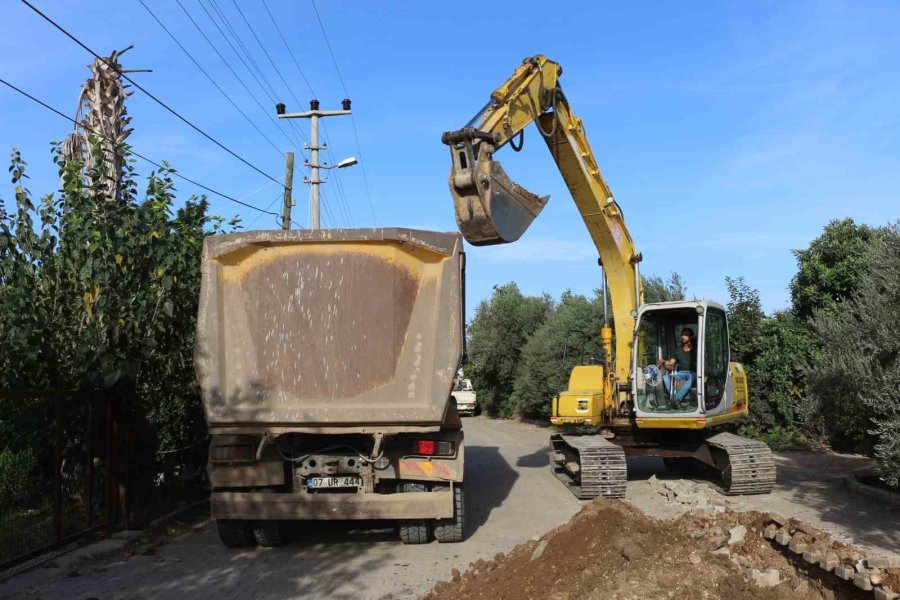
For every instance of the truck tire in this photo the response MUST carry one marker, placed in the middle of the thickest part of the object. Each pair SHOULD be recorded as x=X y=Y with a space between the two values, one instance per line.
x=270 y=534
x=235 y=533
x=453 y=530
x=414 y=531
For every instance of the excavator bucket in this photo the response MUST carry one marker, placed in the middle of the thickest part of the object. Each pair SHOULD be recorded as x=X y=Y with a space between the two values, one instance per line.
x=490 y=207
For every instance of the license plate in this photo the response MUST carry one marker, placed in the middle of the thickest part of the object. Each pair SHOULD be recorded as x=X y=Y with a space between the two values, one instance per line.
x=315 y=483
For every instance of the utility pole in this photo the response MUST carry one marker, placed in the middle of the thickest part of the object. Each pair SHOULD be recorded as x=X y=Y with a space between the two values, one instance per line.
x=314 y=114
x=288 y=189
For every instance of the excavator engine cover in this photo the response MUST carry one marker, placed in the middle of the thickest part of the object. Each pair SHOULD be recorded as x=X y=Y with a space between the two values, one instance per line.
x=490 y=207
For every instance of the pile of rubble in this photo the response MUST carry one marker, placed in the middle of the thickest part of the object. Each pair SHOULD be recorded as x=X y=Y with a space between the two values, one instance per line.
x=878 y=574
x=691 y=496
x=613 y=550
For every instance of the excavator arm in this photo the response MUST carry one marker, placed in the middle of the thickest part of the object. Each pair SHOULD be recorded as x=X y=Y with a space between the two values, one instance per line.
x=492 y=209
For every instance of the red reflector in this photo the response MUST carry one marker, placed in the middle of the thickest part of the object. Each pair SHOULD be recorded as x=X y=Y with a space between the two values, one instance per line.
x=434 y=448
x=426 y=447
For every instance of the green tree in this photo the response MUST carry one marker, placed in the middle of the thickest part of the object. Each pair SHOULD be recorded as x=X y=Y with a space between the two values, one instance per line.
x=829 y=270
x=777 y=377
x=745 y=314
x=542 y=373
x=101 y=292
x=657 y=289
x=853 y=391
x=496 y=337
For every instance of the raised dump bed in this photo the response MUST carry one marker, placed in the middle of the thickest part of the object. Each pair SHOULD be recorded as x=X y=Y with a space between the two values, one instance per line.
x=329 y=328
x=326 y=361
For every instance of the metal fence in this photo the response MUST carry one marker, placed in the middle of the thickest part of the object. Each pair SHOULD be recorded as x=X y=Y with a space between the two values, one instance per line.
x=58 y=470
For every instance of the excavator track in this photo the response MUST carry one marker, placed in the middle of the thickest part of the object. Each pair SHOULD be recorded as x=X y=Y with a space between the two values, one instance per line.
x=751 y=465
x=600 y=468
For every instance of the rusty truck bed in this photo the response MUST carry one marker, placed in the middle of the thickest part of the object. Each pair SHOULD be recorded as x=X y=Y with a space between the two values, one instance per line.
x=318 y=331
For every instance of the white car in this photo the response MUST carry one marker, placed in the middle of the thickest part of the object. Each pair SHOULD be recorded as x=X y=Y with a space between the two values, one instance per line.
x=464 y=394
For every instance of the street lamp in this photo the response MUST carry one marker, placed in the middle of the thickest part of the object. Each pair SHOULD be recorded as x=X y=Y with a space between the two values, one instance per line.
x=347 y=162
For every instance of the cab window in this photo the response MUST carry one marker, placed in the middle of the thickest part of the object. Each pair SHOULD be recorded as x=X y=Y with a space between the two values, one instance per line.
x=715 y=364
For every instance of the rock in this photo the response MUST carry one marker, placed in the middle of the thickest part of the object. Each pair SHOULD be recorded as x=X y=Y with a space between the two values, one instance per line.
x=783 y=537
x=764 y=579
x=455 y=574
x=813 y=556
x=845 y=572
x=829 y=562
x=770 y=531
x=558 y=596
x=631 y=551
x=736 y=535
x=885 y=594
x=718 y=508
x=721 y=552
x=695 y=560
x=862 y=581
x=882 y=562
x=670 y=496
x=797 y=547
x=876 y=578
x=777 y=518
x=539 y=550
x=652 y=481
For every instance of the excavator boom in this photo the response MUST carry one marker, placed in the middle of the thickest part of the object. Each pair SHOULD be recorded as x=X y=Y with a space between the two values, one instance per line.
x=492 y=209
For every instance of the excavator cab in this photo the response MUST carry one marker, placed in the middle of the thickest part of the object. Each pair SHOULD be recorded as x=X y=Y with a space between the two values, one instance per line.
x=659 y=392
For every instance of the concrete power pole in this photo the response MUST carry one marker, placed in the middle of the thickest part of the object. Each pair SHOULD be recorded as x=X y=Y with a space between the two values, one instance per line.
x=288 y=191
x=314 y=114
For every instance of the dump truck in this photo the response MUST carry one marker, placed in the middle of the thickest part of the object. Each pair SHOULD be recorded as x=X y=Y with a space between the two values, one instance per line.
x=326 y=361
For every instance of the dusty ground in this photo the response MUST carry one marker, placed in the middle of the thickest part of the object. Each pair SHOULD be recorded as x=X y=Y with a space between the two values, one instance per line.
x=512 y=497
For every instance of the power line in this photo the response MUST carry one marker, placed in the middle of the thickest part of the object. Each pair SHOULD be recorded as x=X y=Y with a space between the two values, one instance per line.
x=130 y=151
x=260 y=79
x=352 y=118
x=154 y=98
x=284 y=41
x=208 y=76
x=233 y=72
x=341 y=195
x=273 y=95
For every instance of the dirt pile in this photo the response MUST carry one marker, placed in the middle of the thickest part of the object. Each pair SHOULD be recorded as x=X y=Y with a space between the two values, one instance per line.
x=612 y=550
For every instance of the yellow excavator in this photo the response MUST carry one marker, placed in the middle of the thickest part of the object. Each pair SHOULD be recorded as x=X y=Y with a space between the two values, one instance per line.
x=665 y=380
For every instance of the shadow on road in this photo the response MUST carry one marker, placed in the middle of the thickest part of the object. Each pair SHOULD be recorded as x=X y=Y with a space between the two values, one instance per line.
x=537 y=459
x=488 y=485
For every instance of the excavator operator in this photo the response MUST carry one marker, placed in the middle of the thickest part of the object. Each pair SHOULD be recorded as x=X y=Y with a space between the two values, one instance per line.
x=686 y=359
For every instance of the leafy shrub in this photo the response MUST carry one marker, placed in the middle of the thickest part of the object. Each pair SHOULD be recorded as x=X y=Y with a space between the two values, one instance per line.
x=17 y=471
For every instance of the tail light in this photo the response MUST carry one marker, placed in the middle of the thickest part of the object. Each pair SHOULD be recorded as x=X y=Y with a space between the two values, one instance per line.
x=434 y=448
x=231 y=453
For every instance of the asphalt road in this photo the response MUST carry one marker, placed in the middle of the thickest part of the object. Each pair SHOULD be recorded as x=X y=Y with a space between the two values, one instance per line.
x=511 y=497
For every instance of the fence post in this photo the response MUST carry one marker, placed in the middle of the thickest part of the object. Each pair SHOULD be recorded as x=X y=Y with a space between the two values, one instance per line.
x=89 y=465
x=57 y=467
x=111 y=487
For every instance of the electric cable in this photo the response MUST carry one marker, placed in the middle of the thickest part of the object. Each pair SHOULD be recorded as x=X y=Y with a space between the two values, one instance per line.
x=152 y=162
x=149 y=94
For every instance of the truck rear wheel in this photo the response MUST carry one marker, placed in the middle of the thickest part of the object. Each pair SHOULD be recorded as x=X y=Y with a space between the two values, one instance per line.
x=270 y=534
x=414 y=531
x=235 y=533
x=453 y=530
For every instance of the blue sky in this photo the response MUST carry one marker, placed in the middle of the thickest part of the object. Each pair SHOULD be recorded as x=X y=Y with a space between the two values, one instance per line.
x=730 y=133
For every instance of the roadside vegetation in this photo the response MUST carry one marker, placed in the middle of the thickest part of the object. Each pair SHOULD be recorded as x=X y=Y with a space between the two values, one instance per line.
x=99 y=293
x=822 y=373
